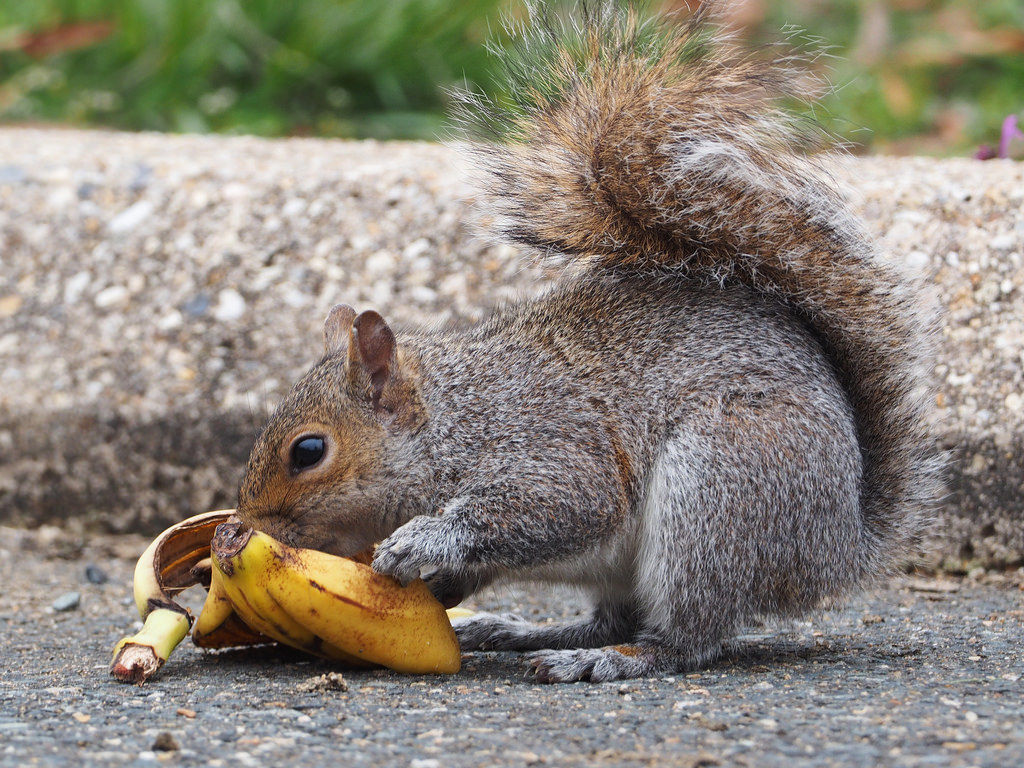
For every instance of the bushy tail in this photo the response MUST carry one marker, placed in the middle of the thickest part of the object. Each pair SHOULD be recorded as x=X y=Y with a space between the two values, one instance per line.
x=624 y=143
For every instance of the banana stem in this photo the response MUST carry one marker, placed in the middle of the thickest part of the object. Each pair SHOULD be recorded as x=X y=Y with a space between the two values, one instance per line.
x=175 y=560
x=138 y=657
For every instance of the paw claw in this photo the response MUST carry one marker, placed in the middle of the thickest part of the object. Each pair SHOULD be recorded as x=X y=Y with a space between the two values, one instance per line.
x=494 y=632
x=596 y=665
x=410 y=551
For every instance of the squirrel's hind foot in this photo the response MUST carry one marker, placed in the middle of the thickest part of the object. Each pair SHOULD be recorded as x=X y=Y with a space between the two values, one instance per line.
x=601 y=665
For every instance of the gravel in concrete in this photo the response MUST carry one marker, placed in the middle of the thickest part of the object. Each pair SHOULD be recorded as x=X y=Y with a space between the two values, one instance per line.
x=920 y=672
x=159 y=293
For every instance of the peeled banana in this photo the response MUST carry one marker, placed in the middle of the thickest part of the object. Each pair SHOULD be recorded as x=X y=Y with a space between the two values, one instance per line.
x=262 y=591
x=166 y=568
x=218 y=625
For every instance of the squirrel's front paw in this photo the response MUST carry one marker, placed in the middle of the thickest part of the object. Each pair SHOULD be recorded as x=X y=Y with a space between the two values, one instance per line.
x=419 y=548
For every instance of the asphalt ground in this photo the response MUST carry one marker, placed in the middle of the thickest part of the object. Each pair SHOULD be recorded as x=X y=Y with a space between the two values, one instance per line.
x=918 y=672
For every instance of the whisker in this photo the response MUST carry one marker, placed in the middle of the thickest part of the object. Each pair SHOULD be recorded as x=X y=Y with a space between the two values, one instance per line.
x=266 y=402
x=256 y=424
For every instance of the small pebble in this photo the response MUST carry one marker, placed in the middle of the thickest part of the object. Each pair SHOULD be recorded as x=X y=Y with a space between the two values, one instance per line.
x=75 y=285
x=95 y=575
x=197 y=305
x=933 y=585
x=143 y=173
x=332 y=681
x=293 y=207
x=171 y=320
x=1002 y=242
x=130 y=217
x=11 y=174
x=112 y=296
x=9 y=305
x=230 y=305
x=164 y=742
x=67 y=602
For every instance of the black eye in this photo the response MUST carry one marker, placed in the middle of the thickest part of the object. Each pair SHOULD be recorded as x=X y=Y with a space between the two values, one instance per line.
x=307 y=451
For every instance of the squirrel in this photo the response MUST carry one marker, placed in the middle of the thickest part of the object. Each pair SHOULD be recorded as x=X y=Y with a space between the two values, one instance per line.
x=717 y=414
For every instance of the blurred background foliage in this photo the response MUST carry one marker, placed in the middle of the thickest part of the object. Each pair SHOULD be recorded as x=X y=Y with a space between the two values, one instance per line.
x=932 y=76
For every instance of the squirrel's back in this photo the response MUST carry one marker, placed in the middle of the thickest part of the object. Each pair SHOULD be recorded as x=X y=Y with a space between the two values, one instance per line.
x=619 y=341
x=655 y=147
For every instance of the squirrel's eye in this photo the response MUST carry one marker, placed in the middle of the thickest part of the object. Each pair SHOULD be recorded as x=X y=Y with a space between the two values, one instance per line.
x=307 y=451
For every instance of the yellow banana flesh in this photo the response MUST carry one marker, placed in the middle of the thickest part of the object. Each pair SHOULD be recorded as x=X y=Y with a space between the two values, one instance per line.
x=330 y=605
x=219 y=625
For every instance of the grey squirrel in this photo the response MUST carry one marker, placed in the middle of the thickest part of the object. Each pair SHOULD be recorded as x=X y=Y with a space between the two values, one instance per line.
x=717 y=413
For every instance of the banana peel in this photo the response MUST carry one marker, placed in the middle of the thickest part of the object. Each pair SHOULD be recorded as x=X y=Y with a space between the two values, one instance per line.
x=170 y=564
x=262 y=591
x=333 y=607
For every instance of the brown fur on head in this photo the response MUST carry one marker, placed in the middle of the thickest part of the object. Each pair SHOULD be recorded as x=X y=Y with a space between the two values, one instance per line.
x=319 y=473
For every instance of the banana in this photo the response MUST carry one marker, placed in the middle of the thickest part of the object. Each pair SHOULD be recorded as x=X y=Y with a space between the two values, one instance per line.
x=331 y=606
x=262 y=591
x=164 y=570
x=219 y=625
x=137 y=658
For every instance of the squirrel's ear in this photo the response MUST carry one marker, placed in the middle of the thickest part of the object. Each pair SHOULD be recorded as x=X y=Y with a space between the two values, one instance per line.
x=338 y=327
x=371 y=355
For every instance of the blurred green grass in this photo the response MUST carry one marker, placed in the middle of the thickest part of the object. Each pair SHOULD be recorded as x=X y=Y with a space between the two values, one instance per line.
x=912 y=76
x=324 y=67
x=934 y=76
